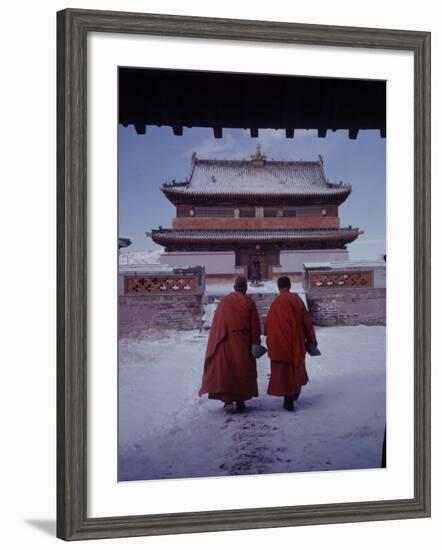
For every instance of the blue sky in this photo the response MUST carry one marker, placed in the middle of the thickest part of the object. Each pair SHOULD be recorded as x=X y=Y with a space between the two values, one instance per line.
x=146 y=161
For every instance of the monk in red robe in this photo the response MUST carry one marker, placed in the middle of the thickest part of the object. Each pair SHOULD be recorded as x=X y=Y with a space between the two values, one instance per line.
x=229 y=367
x=288 y=327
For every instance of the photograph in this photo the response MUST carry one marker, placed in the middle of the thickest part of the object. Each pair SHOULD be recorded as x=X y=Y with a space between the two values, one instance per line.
x=252 y=258
x=227 y=211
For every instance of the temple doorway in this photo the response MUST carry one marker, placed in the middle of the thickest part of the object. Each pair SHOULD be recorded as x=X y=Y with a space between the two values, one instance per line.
x=255 y=268
x=257 y=263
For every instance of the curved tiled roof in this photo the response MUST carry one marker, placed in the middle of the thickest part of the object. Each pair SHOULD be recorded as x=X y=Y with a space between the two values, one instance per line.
x=251 y=178
x=169 y=236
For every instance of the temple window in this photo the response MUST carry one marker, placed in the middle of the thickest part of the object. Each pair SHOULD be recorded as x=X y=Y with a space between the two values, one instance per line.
x=183 y=211
x=290 y=212
x=307 y=211
x=246 y=212
x=270 y=212
x=213 y=212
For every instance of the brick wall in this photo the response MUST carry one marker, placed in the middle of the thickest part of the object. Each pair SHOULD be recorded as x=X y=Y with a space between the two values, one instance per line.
x=139 y=313
x=170 y=299
x=359 y=306
x=326 y=222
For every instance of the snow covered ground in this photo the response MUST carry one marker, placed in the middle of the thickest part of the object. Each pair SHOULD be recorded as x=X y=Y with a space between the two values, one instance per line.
x=167 y=431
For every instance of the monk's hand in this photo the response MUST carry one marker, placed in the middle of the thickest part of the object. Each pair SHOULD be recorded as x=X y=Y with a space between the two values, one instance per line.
x=258 y=350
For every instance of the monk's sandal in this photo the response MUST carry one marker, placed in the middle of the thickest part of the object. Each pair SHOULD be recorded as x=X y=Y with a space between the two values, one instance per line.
x=289 y=404
x=229 y=408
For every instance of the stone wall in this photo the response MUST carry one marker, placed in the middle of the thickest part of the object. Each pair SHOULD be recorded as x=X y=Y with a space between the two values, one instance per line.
x=359 y=306
x=346 y=293
x=160 y=297
x=139 y=313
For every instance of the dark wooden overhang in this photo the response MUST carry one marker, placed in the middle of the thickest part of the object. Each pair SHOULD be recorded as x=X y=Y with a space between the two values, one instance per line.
x=168 y=237
x=180 y=99
x=265 y=199
x=123 y=242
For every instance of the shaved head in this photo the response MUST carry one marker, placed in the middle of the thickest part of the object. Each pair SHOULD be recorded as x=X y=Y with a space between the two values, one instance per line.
x=284 y=282
x=240 y=284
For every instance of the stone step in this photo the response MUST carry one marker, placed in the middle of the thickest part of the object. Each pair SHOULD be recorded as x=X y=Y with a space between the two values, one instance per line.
x=267 y=302
x=259 y=299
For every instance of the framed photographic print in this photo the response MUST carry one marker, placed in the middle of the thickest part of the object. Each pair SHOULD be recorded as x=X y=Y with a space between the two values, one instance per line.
x=243 y=274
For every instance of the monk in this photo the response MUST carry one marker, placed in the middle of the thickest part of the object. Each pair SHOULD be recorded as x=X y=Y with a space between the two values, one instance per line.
x=229 y=367
x=288 y=327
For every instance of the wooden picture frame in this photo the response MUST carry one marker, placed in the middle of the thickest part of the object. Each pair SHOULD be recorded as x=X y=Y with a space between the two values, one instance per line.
x=73 y=27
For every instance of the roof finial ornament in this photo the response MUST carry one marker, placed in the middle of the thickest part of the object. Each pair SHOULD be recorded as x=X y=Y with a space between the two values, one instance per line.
x=258 y=158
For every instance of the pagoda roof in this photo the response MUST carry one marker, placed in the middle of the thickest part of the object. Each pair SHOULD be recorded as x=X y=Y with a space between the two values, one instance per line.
x=257 y=178
x=194 y=236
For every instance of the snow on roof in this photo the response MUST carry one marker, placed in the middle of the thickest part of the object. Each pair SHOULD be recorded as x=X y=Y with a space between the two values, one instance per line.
x=141 y=257
x=266 y=177
x=348 y=264
x=144 y=268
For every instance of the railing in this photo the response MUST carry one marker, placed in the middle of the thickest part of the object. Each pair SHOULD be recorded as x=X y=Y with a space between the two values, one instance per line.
x=341 y=279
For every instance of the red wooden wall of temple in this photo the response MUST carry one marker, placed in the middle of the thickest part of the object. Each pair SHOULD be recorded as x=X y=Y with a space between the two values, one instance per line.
x=244 y=211
x=325 y=222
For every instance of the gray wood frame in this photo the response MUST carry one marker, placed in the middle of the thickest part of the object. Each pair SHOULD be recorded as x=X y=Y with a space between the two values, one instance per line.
x=73 y=27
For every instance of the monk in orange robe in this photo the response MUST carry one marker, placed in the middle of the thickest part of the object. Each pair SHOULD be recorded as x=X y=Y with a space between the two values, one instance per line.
x=229 y=367
x=288 y=327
